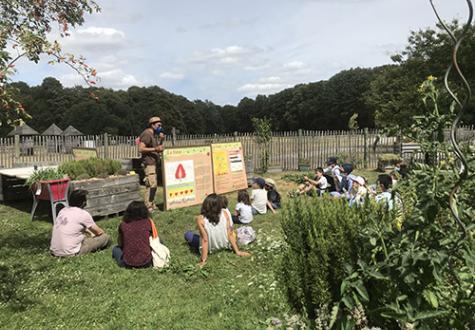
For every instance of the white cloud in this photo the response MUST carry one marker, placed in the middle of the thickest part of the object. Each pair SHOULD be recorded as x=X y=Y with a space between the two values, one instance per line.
x=172 y=76
x=228 y=55
x=95 y=40
x=295 y=65
x=265 y=85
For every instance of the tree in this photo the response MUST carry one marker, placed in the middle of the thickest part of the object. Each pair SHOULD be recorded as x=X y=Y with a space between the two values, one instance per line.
x=24 y=27
x=394 y=96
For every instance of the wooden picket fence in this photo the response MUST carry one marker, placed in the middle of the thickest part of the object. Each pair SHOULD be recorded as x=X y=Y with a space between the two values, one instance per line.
x=286 y=149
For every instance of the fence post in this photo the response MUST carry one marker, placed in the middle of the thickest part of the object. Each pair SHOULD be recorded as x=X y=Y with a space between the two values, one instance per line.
x=173 y=136
x=365 y=153
x=17 y=148
x=235 y=134
x=106 y=146
x=299 y=145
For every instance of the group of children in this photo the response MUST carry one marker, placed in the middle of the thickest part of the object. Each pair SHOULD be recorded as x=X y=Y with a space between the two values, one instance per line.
x=339 y=182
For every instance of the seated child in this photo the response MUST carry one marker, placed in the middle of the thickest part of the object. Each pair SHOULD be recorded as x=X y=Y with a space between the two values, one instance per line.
x=133 y=246
x=345 y=186
x=259 y=200
x=319 y=183
x=359 y=192
x=215 y=230
x=243 y=211
x=273 y=196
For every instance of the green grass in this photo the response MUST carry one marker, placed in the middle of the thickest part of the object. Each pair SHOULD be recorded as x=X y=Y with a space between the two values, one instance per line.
x=39 y=291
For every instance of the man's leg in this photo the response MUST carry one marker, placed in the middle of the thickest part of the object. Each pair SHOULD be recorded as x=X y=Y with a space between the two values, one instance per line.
x=91 y=244
x=150 y=185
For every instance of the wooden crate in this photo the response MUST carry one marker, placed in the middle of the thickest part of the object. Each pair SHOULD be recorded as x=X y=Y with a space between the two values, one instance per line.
x=111 y=195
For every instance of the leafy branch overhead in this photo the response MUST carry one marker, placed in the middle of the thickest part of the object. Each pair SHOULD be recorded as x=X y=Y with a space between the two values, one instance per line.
x=25 y=26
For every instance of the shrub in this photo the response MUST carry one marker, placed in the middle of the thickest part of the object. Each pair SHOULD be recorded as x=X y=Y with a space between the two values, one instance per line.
x=321 y=237
x=90 y=168
x=297 y=177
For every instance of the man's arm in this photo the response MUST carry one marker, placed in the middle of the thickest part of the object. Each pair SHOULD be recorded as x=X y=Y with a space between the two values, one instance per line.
x=143 y=149
x=96 y=230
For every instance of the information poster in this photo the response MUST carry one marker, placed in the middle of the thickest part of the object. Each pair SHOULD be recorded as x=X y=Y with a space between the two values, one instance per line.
x=84 y=153
x=188 y=176
x=228 y=166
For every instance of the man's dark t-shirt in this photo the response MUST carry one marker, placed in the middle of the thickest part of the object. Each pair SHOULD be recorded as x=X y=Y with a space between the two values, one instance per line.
x=148 y=138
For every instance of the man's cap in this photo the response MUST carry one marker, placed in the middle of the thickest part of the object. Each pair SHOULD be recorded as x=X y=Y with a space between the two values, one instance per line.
x=260 y=181
x=154 y=120
x=331 y=160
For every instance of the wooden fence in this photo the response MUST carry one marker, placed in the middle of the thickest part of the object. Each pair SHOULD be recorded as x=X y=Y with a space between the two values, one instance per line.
x=361 y=147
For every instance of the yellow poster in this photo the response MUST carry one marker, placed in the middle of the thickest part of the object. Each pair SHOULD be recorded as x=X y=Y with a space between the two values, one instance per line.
x=220 y=162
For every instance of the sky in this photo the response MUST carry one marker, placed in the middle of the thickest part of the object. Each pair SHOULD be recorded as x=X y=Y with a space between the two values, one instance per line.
x=224 y=50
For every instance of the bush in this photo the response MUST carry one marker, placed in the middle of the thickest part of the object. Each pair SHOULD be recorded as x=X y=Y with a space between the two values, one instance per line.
x=90 y=168
x=389 y=158
x=321 y=237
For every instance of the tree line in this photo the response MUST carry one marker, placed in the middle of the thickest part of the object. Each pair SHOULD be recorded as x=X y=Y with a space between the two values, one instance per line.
x=385 y=97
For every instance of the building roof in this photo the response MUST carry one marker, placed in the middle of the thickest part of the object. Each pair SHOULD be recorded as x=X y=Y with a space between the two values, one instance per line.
x=71 y=131
x=53 y=130
x=23 y=129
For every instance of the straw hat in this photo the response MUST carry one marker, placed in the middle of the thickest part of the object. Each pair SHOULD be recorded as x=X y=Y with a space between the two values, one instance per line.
x=154 y=120
x=271 y=183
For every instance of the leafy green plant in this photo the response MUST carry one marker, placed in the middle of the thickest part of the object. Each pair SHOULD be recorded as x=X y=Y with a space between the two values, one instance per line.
x=44 y=175
x=320 y=236
x=263 y=131
x=297 y=177
x=91 y=168
x=389 y=158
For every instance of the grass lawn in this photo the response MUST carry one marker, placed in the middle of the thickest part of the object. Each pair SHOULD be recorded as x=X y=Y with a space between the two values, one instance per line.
x=40 y=291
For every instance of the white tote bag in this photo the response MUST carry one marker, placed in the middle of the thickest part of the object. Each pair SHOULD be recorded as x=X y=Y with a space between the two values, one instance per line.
x=160 y=253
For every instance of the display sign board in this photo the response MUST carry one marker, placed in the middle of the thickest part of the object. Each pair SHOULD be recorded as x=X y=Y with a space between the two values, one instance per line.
x=187 y=176
x=228 y=167
x=84 y=153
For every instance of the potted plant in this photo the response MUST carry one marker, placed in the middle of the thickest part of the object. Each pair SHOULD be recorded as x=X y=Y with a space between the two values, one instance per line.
x=44 y=181
x=304 y=164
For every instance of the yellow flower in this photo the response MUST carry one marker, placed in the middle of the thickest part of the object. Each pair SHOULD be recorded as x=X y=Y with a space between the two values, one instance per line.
x=431 y=78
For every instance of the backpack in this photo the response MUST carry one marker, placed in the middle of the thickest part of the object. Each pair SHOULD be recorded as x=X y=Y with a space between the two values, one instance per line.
x=246 y=235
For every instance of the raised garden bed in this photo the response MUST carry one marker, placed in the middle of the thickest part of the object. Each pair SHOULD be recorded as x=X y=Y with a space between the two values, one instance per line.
x=109 y=195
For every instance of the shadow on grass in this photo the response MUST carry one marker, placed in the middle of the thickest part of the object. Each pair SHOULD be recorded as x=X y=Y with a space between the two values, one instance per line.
x=43 y=210
x=12 y=279
x=32 y=243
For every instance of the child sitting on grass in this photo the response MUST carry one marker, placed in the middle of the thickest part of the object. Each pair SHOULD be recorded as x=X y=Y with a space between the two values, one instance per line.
x=319 y=183
x=273 y=196
x=243 y=210
x=259 y=200
x=215 y=230
x=359 y=191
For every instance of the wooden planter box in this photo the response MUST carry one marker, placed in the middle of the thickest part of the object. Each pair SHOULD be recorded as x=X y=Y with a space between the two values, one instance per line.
x=111 y=195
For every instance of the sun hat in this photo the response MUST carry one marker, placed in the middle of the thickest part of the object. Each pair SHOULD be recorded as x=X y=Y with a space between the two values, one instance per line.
x=154 y=120
x=360 y=180
x=271 y=182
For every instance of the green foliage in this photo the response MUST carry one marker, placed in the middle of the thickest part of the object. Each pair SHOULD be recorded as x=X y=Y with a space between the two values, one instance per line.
x=24 y=30
x=320 y=236
x=424 y=275
x=297 y=177
x=263 y=131
x=389 y=158
x=90 y=168
x=44 y=174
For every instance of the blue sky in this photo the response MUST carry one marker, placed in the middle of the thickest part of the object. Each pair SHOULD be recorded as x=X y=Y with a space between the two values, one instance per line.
x=224 y=50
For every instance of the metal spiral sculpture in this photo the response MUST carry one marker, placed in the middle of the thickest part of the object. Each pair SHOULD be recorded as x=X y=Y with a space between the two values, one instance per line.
x=463 y=173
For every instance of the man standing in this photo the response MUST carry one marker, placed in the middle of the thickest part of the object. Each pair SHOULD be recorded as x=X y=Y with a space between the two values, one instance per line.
x=150 y=148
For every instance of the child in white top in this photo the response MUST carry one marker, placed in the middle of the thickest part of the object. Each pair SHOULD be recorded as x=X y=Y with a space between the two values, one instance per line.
x=259 y=197
x=243 y=210
x=359 y=192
